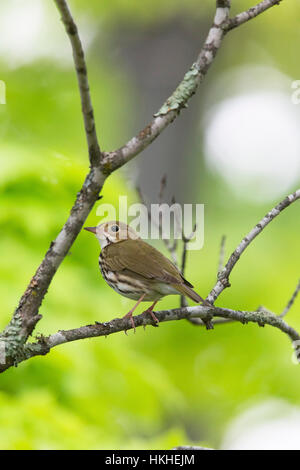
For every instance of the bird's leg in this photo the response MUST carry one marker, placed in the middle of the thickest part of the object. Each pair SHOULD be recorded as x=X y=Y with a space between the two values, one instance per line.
x=150 y=311
x=129 y=314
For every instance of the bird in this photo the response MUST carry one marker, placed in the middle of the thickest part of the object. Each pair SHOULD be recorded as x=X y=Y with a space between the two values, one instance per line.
x=137 y=270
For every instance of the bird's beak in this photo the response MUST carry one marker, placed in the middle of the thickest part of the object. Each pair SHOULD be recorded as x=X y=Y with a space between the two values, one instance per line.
x=90 y=229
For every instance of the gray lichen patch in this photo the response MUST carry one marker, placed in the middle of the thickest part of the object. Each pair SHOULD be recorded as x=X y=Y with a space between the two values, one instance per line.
x=11 y=338
x=182 y=93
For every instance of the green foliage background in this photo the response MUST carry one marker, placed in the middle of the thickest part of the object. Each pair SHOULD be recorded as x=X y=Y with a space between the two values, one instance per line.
x=172 y=385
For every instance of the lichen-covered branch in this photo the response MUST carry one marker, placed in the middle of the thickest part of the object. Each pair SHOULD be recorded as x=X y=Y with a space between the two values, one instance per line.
x=198 y=314
x=24 y=320
x=26 y=315
x=179 y=98
x=260 y=317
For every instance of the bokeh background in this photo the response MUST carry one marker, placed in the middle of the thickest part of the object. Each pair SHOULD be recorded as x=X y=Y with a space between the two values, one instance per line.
x=236 y=149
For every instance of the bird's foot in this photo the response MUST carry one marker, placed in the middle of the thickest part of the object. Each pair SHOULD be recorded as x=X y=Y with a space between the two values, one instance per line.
x=150 y=312
x=130 y=316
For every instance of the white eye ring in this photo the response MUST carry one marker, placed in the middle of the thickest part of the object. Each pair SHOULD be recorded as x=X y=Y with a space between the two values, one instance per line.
x=114 y=228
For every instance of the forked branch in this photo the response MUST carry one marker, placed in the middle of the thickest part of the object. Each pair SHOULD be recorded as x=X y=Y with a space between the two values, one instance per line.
x=14 y=337
x=197 y=314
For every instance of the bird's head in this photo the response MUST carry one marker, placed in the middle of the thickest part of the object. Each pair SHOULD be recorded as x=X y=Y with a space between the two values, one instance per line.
x=113 y=232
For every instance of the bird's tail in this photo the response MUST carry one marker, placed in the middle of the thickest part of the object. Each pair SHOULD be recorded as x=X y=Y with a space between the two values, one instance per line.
x=189 y=292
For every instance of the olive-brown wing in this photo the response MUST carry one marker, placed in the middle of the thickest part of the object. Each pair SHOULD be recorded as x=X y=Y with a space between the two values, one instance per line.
x=139 y=257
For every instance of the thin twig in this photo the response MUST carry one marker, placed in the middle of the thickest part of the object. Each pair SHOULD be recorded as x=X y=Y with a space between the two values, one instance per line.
x=163 y=183
x=183 y=300
x=223 y=278
x=222 y=254
x=170 y=245
x=186 y=240
x=83 y=83
x=245 y=16
x=291 y=301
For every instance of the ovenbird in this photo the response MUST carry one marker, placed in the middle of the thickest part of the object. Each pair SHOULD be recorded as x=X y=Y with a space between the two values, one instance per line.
x=137 y=270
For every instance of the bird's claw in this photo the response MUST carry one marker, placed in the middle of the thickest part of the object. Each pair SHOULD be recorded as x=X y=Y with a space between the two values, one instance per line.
x=129 y=315
x=154 y=318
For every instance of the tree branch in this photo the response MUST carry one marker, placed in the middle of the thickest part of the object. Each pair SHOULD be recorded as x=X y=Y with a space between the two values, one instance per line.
x=196 y=314
x=82 y=78
x=245 y=16
x=26 y=315
x=291 y=301
x=187 y=88
x=223 y=277
x=178 y=100
x=260 y=317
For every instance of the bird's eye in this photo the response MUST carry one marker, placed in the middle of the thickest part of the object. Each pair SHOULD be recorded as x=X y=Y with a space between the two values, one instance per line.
x=114 y=228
